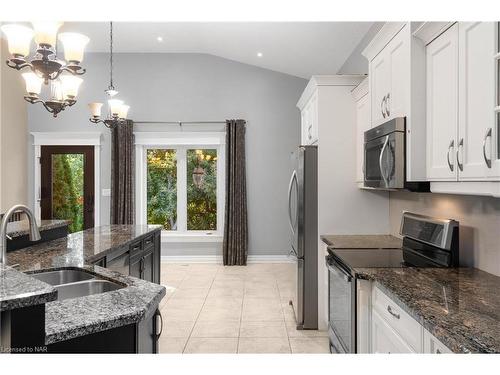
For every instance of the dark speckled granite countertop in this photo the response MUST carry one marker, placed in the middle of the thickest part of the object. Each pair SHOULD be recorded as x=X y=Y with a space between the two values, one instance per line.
x=362 y=241
x=21 y=228
x=85 y=315
x=459 y=306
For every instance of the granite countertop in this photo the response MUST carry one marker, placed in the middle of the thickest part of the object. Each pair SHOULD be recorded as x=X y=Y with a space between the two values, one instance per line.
x=20 y=290
x=459 y=306
x=21 y=228
x=85 y=315
x=377 y=241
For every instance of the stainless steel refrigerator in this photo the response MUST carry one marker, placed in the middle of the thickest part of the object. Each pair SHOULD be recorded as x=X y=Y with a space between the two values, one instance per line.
x=303 y=219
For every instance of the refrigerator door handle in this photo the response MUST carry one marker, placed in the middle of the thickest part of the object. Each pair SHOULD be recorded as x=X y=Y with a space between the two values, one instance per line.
x=290 y=185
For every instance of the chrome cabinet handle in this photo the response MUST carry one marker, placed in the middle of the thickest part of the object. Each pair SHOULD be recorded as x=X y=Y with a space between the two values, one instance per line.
x=382 y=103
x=389 y=309
x=387 y=105
x=486 y=160
x=438 y=351
x=450 y=147
x=380 y=161
x=294 y=176
x=309 y=131
x=460 y=145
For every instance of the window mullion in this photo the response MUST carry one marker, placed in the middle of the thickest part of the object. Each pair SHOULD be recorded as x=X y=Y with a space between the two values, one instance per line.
x=181 y=189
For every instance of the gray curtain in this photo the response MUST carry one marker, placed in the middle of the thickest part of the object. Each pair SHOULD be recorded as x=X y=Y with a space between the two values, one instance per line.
x=235 y=245
x=122 y=174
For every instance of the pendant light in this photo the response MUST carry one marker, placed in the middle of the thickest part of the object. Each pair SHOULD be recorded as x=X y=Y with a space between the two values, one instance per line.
x=117 y=109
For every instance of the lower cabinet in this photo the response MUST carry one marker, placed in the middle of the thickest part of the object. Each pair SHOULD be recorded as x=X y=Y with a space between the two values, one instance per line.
x=433 y=346
x=385 y=339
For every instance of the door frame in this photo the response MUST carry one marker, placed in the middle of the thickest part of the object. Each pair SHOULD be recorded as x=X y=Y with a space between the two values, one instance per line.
x=67 y=139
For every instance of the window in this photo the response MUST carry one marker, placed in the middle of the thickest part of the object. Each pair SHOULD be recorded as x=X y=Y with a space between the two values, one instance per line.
x=180 y=182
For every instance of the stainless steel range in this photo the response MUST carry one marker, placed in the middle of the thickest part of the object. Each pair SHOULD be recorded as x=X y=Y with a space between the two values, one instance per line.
x=427 y=242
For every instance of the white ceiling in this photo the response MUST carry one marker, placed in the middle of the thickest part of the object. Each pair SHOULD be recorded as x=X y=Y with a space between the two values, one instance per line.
x=297 y=48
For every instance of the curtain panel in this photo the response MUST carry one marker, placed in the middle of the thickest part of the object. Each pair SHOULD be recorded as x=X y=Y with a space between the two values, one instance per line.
x=123 y=174
x=235 y=245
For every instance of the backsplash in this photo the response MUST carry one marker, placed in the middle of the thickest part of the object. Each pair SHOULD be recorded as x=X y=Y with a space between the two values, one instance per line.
x=479 y=219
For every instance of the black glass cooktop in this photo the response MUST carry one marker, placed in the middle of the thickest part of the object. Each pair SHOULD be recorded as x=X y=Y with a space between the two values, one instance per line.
x=369 y=258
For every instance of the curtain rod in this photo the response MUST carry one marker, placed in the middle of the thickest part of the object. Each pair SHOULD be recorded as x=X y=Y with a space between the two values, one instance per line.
x=179 y=122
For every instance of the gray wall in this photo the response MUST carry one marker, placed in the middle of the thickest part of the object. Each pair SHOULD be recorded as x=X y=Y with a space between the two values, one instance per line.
x=200 y=87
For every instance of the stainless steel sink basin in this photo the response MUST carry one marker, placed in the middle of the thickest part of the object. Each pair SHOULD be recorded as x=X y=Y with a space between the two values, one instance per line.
x=62 y=276
x=85 y=288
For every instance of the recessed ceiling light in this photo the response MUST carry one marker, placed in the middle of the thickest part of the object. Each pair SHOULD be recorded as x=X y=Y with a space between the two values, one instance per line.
x=259 y=54
x=159 y=38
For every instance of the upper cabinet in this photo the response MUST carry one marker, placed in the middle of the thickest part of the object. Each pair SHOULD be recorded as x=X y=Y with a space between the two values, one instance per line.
x=463 y=121
x=396 y=69
x=360 y=95
x=309 y=121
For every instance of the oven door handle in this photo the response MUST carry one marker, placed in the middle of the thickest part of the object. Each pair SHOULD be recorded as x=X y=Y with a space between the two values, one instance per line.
x=333 y=268
x=386 y=182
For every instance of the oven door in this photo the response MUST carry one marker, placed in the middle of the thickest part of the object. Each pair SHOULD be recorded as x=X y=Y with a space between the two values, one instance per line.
x=341 y=308
x=384 y=162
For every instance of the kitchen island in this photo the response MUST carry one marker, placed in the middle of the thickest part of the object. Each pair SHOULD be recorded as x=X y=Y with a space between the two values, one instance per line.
x=126 y=316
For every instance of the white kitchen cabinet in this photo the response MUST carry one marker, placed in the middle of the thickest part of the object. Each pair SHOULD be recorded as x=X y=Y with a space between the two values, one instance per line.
x=442 y=106
x=385 y=339
x=397 y=88
x=309 y=124
x=360 y=94
x=433 y=346
x=476 y=154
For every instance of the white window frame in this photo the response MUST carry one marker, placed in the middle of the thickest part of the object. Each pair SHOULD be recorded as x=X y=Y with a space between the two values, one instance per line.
x=180 y=141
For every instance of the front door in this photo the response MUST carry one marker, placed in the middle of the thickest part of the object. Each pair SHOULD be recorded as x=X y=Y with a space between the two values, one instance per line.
x=67 y=185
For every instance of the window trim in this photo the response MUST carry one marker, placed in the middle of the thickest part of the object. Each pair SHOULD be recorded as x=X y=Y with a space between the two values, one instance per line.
x=180 y=141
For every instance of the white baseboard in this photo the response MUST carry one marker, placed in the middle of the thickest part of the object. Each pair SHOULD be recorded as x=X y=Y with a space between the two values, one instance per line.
x=217 y=259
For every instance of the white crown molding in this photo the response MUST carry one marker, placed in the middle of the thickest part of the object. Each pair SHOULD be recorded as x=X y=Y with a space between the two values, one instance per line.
x=327 y=80
x=384 y=36
x=217 y=259
x=428 y=31
x=360 y=90
x=66 y=138
x=179 y=138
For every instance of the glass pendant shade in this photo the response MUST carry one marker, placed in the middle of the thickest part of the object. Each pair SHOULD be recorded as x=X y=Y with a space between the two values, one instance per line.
x=33 y=83
x=74 y=45
x=95 y=109
x=46 y=32
x=123 y=111
x=70 y=85
x=56 y=90
x=115 y=106
x=18 y=39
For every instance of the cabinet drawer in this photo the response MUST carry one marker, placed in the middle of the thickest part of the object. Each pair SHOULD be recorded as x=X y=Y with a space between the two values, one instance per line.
x=136 y=248
x=385 y=339
x=407 y=327
x=149 y=241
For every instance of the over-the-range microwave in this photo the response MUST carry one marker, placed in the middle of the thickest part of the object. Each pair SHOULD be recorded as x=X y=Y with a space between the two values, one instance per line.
x=384 y=158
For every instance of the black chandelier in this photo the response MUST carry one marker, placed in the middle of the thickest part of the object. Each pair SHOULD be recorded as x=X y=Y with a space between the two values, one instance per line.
x=117 y=109
x=45 y=66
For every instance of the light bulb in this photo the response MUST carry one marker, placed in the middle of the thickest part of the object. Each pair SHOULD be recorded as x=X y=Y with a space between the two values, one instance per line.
x=114 y=106
x=95 y=109
x=18 y=39
x=74 y=45
x=123 y=111
x=46 y=32
x=70 y=85
x=33 y=83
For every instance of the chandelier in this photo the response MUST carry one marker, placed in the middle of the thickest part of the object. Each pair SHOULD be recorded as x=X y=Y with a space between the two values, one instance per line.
x=117 y=109
x=45 y=66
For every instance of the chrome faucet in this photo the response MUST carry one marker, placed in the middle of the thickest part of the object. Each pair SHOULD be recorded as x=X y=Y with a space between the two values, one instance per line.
x=34 y=233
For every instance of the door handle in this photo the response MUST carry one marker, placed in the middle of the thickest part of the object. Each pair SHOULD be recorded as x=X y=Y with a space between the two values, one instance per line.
x=380 y=161
x=294 y=176
x=158 y=315
x=460 y=145
x=450 y=147
x=387 y=104
x=389 y=310
x=486 y=160
x=382 y=106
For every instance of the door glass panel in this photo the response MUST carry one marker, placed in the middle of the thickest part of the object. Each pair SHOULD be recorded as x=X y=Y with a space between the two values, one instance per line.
x=67 y=189
x=162 y=188
x=340 y=308
x=202 y=189
x=372 y=153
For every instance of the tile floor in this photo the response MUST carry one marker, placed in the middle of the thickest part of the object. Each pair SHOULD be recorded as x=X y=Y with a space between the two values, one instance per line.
x=210 y=308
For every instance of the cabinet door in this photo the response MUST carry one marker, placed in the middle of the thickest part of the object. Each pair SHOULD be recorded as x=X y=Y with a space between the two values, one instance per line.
x=398 y=56
x=433 y=346
x=379 y=87
x=477 y=42
x=385 y=339
x=362 y=125
x=303 y=125
x=136 y=267
x=148 y=266
x=313 y=120
x=442 y=106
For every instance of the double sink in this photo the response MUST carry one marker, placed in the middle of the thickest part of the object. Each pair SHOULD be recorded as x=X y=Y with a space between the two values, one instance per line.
x=71 y=283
